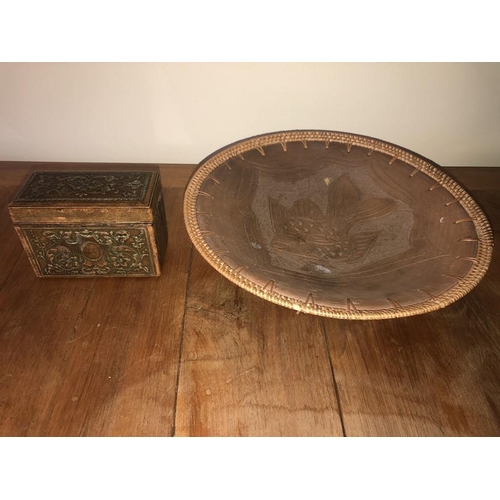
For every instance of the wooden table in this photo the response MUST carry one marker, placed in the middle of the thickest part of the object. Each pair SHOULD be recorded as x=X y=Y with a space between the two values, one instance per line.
x=189 y=353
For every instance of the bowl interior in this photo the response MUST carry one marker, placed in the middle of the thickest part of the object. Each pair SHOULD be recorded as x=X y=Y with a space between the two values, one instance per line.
x=335 y=227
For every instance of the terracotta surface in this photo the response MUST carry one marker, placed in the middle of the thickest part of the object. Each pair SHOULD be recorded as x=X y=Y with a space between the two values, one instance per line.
x=337 y=225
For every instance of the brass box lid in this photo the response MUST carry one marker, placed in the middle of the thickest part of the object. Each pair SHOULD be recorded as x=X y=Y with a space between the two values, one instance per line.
x=86 y=197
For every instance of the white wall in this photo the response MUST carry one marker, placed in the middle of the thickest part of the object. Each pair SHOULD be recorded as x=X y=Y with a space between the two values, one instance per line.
x=179 y=113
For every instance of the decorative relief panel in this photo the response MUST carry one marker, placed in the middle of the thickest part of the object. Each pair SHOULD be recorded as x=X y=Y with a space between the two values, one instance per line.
x=86 y=186
x=306 y=231
x=91 y=251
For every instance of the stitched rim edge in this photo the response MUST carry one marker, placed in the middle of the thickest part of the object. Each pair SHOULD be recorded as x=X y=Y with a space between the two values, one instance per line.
x=456 y=292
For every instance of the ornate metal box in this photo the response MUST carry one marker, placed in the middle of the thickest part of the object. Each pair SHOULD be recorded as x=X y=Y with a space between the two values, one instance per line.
x=92 y=223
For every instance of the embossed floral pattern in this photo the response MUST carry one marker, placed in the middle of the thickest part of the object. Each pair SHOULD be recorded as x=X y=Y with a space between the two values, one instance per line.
x=122 y=257
x=65 y=186
x=304 y=230
x=62 y=259
x=91 y=251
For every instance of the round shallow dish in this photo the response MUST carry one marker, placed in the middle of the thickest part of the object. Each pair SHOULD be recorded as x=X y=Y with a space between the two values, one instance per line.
x=336 y=224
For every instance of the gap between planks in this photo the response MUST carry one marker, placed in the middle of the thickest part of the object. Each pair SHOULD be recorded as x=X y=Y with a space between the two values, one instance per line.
x=181 y=344
x=334 y=380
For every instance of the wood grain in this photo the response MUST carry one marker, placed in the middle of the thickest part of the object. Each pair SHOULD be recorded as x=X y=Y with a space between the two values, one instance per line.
x=113 y=344
x=127 y=357
x=37 y=319
x=344 y=226
x=172 y=176
x=418 y=377
x=477 y=178
x=249 y=367
x=10 y=249
x=121 y=361
x=431 y=375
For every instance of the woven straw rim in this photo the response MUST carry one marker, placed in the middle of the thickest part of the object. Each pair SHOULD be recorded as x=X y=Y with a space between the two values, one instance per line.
x=463 y=285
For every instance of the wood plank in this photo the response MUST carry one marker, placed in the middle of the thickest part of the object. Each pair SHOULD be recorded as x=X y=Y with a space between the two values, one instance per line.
x=113 y=369
x=172 y=175
x=122 y=365
x=36 y=318
x=489 y=200
x=419 y=377
x=249 y=367
x=435 y=374
x=476 y=178
x=485 y=298
x=11 y=175
x=11 y=248
x=175 y=176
